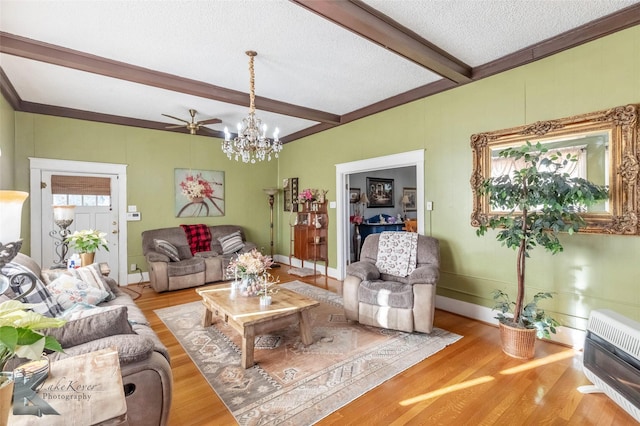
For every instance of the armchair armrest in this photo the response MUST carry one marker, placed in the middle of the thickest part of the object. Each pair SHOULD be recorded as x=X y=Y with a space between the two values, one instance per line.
x=427 y=274
x=364 y=270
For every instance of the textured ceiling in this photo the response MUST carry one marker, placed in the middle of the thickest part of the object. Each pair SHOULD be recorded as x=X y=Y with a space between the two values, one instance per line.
x=303 y=59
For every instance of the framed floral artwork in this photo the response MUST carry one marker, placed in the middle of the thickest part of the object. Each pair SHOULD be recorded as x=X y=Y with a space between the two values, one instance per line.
x=199 y=193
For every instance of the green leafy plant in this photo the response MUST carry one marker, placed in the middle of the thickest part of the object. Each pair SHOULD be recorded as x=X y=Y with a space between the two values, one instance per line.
x=19 y=336
x=87 y=241
x=530 y=317
x=539 y=200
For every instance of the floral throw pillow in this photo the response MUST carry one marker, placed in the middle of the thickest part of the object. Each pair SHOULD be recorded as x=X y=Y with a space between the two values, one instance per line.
x=68 y=290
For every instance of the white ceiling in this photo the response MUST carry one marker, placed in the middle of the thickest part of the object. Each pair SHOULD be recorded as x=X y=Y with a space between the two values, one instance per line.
x=303 y=59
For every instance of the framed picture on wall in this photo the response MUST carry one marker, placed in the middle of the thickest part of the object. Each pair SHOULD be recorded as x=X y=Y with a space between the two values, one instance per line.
x=290 y=191
x=198 y=193
x=410 y=193
x=354 y=195
x=380 y=192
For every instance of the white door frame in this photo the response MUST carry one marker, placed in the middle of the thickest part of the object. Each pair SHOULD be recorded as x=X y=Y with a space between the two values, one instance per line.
x=404 y=159
x=37 y=165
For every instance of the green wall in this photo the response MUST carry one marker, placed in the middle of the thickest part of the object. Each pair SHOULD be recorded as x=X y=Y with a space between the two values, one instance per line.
x=595 y=271
x=151 y=157
x=7 y=131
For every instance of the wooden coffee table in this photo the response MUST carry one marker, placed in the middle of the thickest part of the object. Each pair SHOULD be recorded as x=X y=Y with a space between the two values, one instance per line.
x=247 y=317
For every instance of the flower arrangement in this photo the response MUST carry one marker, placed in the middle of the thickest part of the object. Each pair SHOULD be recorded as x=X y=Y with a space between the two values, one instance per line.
x=307 y=195
x=19 y=334
x=356 y=219
x=196 y=187
x=87 y=241
x=250 y=263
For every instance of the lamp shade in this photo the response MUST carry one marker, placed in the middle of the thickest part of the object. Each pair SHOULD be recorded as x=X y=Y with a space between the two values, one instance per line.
x=11 y=215
x=363 y=198
x=64 y=212
x=405 y=199
x=271 y=191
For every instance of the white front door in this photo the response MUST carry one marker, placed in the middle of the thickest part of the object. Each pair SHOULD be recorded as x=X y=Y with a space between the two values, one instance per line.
x=97 y=211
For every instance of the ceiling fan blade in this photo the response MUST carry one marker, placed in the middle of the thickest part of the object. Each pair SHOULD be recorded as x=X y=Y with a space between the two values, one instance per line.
x=209 y=121
x=179 y=126
x=176 y=118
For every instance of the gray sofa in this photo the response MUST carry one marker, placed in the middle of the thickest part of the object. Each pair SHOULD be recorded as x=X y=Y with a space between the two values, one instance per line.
x=405 y=303
x=190 y=270
x=144 y=360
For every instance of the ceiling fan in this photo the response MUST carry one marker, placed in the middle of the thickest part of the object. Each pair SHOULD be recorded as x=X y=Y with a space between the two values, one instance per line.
x=193 y=126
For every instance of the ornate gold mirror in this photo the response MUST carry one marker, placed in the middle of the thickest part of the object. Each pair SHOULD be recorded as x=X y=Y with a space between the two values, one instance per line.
x=605 y=144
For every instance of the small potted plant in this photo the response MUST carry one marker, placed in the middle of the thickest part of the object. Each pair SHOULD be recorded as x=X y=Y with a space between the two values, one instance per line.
x=86 y=242
x=539 y=200
x=20 y=338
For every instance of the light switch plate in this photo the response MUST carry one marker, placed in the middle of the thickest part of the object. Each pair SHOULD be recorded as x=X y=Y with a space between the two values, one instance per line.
x=429 y=205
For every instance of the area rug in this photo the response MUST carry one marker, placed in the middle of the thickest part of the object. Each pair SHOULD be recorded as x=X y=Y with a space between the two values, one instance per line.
x=302 y=272
x=292 y=384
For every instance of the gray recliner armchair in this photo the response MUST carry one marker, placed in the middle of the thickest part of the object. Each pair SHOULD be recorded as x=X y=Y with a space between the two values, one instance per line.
x=405 y=303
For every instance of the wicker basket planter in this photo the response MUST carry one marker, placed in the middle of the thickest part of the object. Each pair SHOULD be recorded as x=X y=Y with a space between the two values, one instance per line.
x=518 y=342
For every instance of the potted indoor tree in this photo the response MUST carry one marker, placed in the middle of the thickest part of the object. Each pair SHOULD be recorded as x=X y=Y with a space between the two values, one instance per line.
x=537 y=201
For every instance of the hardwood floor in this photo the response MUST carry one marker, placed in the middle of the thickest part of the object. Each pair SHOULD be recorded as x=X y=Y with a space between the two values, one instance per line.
x=468 y=383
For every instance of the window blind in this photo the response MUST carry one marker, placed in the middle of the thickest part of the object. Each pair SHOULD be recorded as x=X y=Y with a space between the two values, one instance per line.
x=81 y=185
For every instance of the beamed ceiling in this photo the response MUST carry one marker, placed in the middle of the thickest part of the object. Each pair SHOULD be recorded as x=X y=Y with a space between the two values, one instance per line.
x=320 y=63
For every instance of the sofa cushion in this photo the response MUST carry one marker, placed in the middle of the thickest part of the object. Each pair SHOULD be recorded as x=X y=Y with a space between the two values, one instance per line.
x=386 y=293
x=231 y=243
x=44 y=302
x=93 y=276
x=68 y=290
x=92 y=324
x=168 y=249
x=207 y=254
x=184 y=252
x=185 y=267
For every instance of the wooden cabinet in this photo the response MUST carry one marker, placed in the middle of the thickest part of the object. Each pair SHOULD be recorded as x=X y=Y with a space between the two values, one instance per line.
x=310 y=233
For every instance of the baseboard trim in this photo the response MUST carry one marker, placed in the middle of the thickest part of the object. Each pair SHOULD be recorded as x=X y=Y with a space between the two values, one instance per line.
x=566 y=336
x=137 y=278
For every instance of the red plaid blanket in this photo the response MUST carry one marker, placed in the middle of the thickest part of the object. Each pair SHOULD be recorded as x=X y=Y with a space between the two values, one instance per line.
x=198 y=236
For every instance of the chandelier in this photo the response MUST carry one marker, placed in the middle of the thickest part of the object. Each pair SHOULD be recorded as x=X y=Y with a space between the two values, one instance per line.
x=251 y=144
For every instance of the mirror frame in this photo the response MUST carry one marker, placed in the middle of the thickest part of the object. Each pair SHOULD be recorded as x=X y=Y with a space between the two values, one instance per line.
x=624 y=165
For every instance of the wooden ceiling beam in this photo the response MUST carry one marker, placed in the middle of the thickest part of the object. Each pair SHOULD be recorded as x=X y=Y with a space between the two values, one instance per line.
x=61 y=56
x=358 y=17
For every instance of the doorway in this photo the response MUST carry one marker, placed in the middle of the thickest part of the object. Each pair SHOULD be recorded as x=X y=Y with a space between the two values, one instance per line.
x=105 y=213
x=343 y=172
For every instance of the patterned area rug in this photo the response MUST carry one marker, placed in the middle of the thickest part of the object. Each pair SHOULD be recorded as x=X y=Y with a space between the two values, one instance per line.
x=293 y=384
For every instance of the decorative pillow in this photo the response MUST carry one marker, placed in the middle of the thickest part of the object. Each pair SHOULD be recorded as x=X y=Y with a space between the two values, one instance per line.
x=68 y=290
x=168 y=249
x=231 y=243
x=92 y=324
x=92 y=276
x=40 y=296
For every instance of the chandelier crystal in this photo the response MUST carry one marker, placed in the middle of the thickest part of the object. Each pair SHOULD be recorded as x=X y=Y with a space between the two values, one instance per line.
x=251 y=144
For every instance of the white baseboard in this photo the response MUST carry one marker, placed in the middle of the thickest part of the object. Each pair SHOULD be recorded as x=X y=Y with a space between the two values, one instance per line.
x=565 y=335
x=135 y=278
x=297 y=263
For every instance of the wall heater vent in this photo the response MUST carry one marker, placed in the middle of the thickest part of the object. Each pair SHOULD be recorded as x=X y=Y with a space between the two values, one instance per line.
x=612 y=359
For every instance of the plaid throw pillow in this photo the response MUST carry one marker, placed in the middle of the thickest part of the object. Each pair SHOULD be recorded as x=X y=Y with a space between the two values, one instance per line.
x=231 y=243
x=168 y=249
x=45 y=303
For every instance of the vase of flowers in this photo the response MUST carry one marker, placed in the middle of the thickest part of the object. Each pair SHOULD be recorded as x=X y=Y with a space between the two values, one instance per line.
x=86 y=242
x=251 y=269
x=20 y=338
